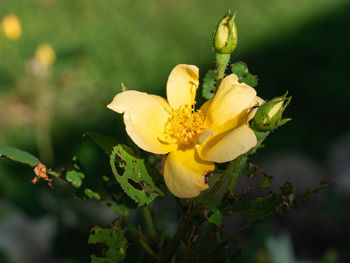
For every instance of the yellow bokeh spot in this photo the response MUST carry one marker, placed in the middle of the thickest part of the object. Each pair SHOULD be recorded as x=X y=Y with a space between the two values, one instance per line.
x=11 y=26
x=45 y=54
x=184 y=125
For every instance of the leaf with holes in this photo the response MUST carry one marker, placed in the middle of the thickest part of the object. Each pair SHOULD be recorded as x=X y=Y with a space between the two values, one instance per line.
x=113 y=239
x=263 y=206
x=132 y=176
x=209 y=82
x=241 y=70
x=18 y=155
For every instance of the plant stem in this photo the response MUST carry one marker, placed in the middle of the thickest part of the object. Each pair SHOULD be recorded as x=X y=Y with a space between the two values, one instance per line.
x=221 y=62
x=230 y=238
x=239 y=163
x=107 y=203
x=43 y=118
x=203 y=238
x=149 y=223
x=175 y=242
x=230 y=168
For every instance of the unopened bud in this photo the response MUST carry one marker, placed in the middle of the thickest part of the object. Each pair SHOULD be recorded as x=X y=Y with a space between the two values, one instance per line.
x=269 y=116
x=11 y=26
x=225 y=34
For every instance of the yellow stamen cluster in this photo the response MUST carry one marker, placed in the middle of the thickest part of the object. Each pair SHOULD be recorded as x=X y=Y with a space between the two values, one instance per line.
x=184 y=125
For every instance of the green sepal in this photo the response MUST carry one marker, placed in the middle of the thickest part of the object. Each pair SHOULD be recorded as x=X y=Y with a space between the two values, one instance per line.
x=263 y=122
x=222 y=43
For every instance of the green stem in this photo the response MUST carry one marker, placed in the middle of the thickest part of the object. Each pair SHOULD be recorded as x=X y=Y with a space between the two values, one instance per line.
x=43 y=116
x=203 y=238
x=230 y=238
x=221 y=62
x=175 y=242
x=107 y=203
x=149 y=222
x=239 y=164
x=230 y=168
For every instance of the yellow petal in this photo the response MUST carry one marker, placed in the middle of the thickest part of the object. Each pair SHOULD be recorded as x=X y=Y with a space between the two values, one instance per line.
x=184 y=173
x=144 y=117
x=182 y=85
x=225 y=146
x=231 y=99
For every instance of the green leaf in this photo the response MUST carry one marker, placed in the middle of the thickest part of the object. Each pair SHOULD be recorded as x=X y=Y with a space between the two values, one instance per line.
x=75 y=178
x=241 y=70
x=105 y=142
x=216 y=217
x=209 y=82
x=267 y=181
x=113 y=240
x=303 y=197
x=91 y=194
x=17 y=155
x=263 y=206
x=133 y=176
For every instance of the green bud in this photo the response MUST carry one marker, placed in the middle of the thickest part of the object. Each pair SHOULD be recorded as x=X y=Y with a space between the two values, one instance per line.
x=269 y=116
x=225 y=34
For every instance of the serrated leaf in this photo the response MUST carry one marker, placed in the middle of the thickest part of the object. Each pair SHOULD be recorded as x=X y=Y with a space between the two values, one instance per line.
x=105 y=142
x=133 y=176
x=303 y=197
x=241 y=70
x=75 y=178
x=209 y=83
x=113 y=239
x=263 y=206
x=18 y=155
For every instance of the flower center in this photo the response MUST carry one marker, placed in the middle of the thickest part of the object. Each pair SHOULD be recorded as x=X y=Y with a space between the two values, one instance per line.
x=184 y=125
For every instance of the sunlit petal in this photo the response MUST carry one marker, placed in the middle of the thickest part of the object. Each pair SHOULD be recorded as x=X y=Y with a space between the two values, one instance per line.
x=184 y=173
x=231 y=99
x=225 y=146
x=144 y=117
x=182 y=85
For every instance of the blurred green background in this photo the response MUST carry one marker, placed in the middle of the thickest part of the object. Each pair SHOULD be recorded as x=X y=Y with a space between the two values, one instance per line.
x=301 y=46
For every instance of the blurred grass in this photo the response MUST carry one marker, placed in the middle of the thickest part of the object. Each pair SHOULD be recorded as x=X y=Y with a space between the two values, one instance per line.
x=100 y=44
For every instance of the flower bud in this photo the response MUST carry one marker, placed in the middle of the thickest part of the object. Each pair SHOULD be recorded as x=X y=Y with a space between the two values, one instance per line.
x=11 y=26
x=269 y=116
x=225 y=34
x=45 y=54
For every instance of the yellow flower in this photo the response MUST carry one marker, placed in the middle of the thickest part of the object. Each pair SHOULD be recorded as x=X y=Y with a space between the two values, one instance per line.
x=11 y=26
x=218 y=132
x=45 y=54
